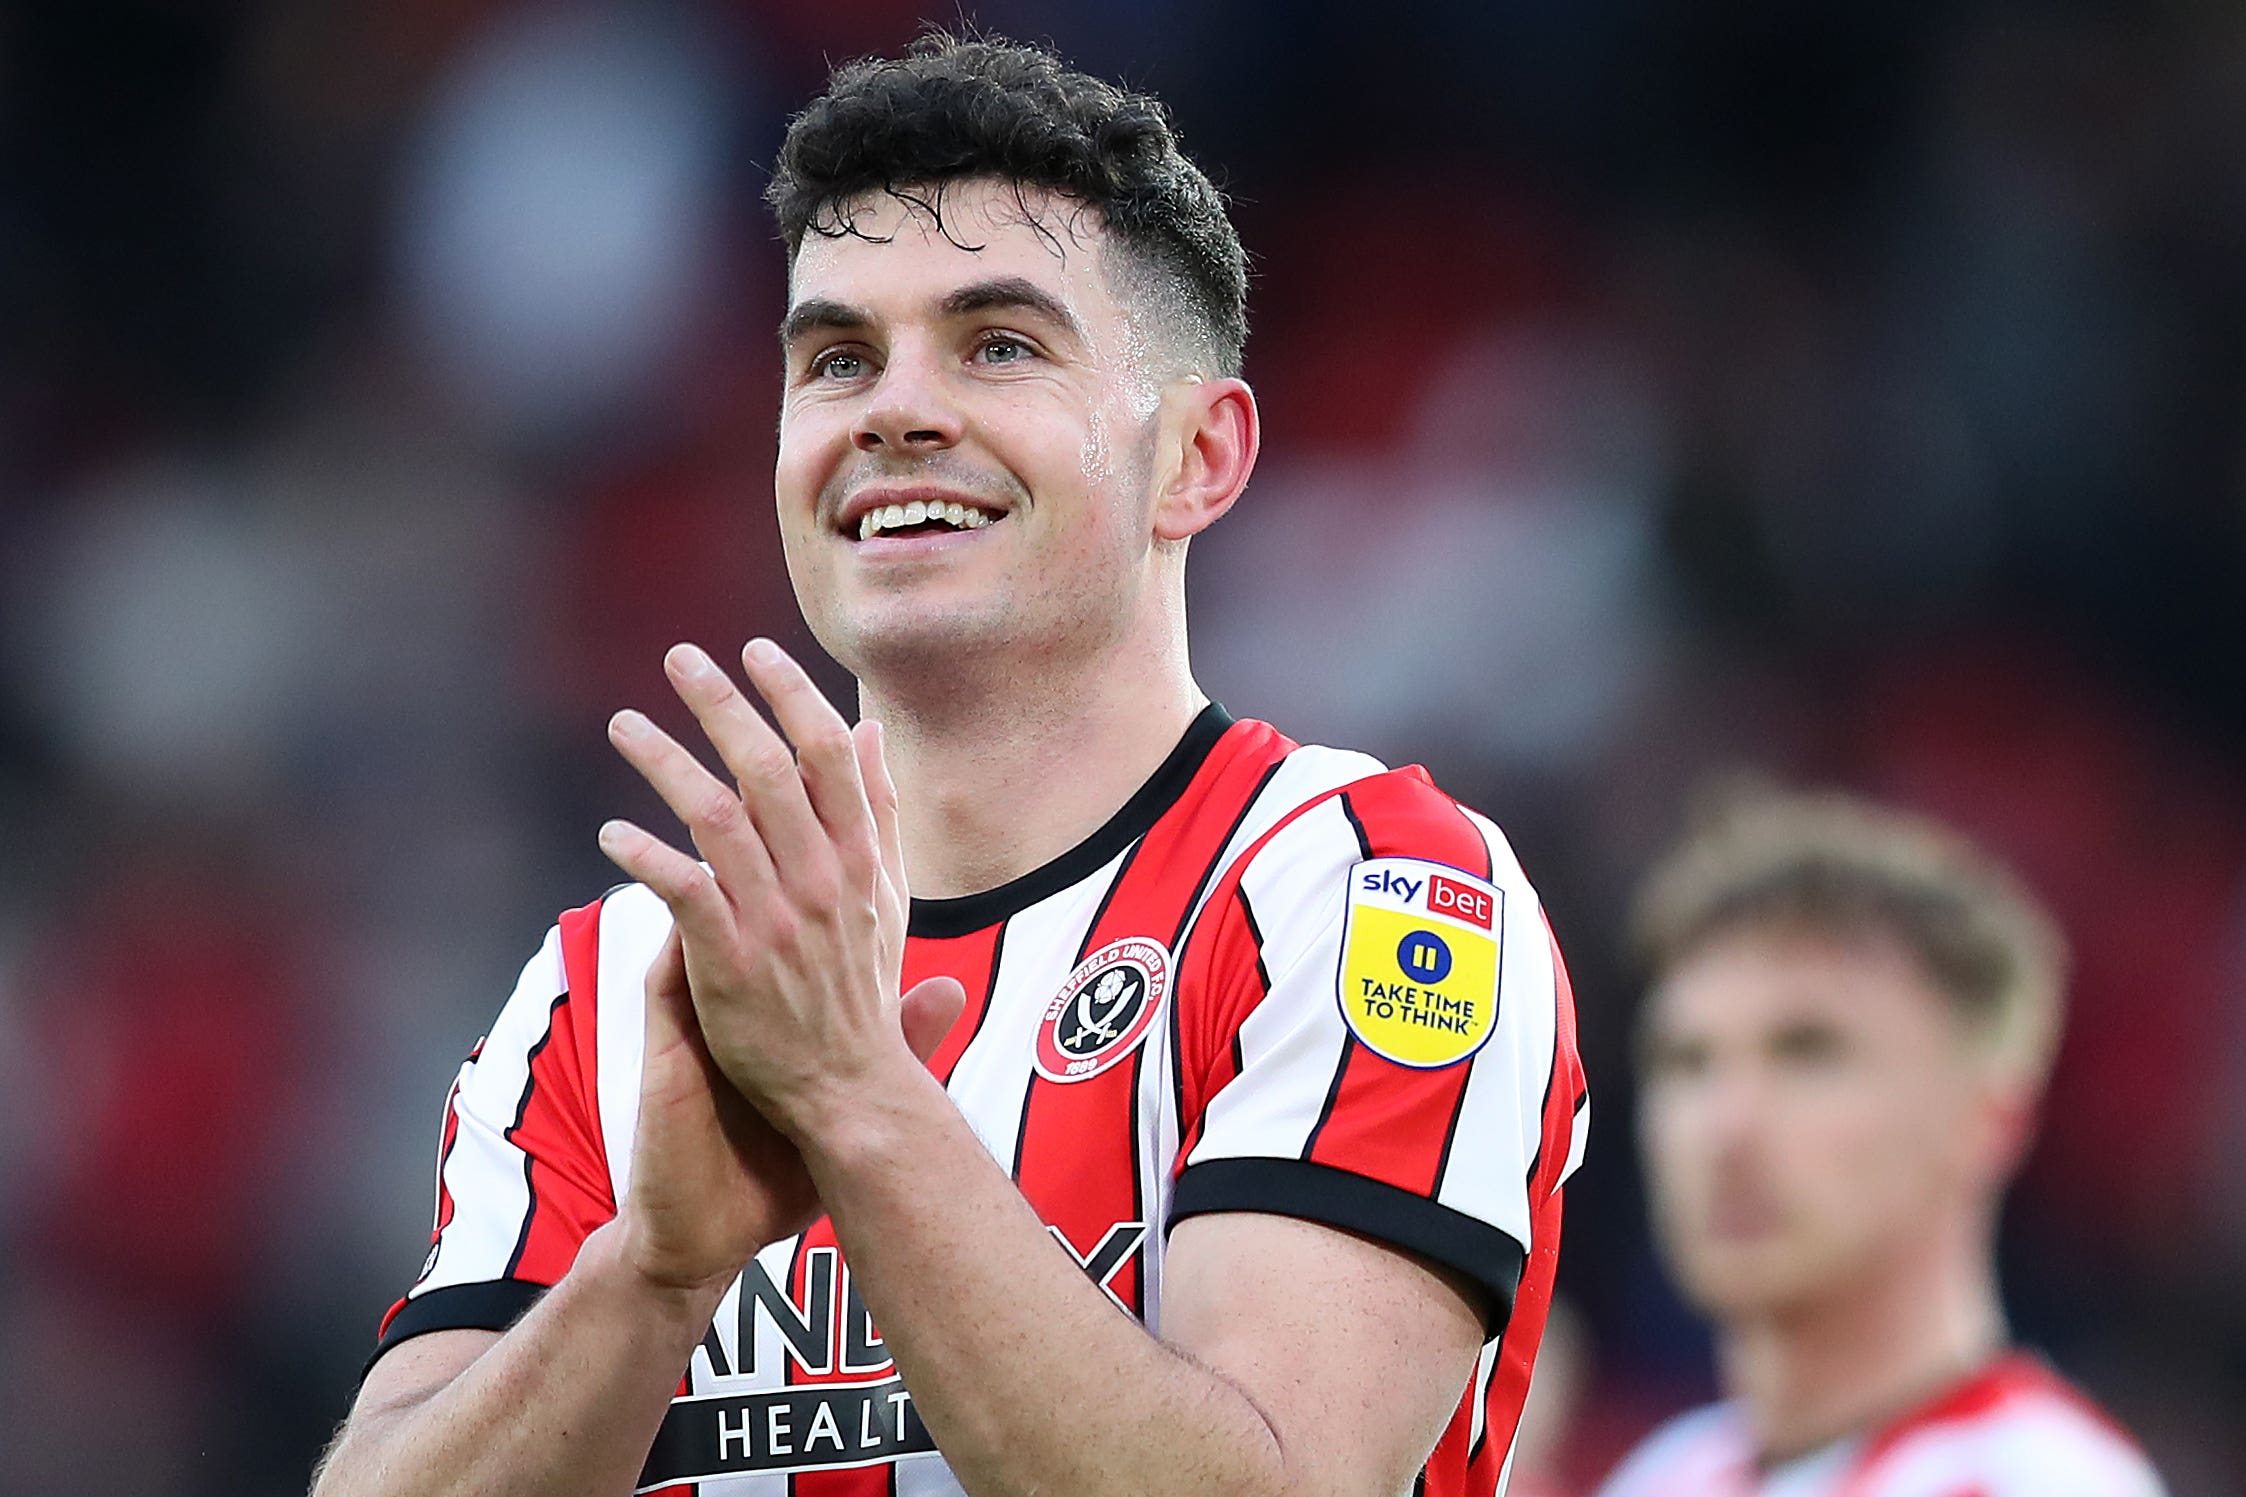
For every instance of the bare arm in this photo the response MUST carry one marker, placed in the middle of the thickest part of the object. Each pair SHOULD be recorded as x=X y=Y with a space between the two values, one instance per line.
x=1294 y=1358
x=566 y=1402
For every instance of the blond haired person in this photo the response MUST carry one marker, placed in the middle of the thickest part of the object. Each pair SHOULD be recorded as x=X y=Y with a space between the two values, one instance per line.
x=1851 y=1019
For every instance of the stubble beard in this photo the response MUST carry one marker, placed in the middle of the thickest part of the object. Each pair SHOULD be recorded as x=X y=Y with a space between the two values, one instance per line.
x=1046 y=622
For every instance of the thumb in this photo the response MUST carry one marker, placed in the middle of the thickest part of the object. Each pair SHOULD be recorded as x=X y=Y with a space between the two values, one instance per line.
x=672 y=1024
x=670 y=1002
x=928 y=1012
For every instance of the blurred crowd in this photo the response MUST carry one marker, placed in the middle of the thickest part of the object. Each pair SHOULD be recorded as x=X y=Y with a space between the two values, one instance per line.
x=1656 y=391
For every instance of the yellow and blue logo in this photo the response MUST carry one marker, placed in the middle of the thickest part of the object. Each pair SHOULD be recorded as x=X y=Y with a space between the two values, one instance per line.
x=1420 y=957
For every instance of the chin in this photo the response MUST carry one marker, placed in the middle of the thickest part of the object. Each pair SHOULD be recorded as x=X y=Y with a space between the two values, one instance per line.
x=927 y=633
x=1725 y=1281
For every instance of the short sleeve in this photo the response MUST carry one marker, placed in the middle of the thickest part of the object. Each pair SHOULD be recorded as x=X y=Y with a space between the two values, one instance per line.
x=1371 y=1035
x=522 y=1171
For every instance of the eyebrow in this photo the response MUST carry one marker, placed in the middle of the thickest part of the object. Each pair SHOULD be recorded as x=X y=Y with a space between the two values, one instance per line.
x=819 y=312
x=1010 y=292
x=999 y=293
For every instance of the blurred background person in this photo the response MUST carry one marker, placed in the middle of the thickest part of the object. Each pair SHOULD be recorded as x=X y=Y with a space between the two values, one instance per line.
x=1851 y=392
x=1563 y=1371
x=1852 y=1019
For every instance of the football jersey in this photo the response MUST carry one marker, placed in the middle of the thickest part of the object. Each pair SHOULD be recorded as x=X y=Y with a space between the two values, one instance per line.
x=2013 y=1429
x=1279 y=979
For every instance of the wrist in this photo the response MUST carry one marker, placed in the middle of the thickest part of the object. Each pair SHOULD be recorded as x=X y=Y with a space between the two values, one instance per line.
x=873 y=1116
x=608 y=1260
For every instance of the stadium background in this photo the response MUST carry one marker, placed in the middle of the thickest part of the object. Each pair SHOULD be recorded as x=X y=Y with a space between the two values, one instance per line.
x=1656 y=389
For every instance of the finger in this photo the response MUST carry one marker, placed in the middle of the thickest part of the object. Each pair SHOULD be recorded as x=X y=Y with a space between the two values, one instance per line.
x=674 y=1026
x=710 y=809
x=929 y=1011
x=670 y=1007
x=699 y=910
x=771 y=785
x=825 y=754
x=881 y=796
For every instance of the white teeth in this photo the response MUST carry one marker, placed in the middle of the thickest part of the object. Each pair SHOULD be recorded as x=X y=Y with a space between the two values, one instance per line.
x=918 y=512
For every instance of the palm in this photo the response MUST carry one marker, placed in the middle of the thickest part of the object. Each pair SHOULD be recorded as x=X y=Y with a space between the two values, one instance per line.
x=712 y=1181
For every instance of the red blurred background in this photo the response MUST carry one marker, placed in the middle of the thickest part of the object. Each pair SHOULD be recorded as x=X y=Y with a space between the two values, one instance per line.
x=1655 y=390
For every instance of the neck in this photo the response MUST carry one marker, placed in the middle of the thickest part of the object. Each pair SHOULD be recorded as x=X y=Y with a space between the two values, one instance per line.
x=999 y=779
x=1852 y=1361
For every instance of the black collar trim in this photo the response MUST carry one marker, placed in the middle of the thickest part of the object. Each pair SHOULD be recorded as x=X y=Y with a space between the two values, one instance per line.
x=944 y=919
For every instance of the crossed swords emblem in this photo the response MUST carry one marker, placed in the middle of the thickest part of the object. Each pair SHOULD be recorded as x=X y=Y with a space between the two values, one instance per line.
x=1099 y=1006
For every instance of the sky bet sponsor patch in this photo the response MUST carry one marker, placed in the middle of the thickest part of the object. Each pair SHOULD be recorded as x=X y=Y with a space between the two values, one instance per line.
x=1419 y=961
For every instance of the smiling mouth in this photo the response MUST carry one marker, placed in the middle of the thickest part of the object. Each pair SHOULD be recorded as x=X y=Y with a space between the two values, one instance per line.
x=920 y=517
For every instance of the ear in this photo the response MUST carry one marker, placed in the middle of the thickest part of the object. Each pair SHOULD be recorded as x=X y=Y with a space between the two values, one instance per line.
x=1214 y=433
x=2004 y=1128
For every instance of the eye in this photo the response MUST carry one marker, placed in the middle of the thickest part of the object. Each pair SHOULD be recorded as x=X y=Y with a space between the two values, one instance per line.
x=1002 y=348
x=838 y=363
x=1809 y=1044
x=1672 y=1058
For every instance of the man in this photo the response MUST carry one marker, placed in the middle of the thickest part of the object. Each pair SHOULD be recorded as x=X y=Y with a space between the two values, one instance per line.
x=1852 y=1016
x=1205 y=1130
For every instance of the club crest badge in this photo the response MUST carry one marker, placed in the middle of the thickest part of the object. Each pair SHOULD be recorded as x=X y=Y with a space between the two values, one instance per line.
x=1104 y=1009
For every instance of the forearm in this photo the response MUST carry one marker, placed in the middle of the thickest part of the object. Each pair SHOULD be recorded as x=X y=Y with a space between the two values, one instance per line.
x=1004 y=1342
x=567 y=1402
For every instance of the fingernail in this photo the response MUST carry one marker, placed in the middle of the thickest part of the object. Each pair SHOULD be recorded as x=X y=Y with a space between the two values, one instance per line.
x=688 y=660
x=611 y=833
x=764 y=652
x=627 y=724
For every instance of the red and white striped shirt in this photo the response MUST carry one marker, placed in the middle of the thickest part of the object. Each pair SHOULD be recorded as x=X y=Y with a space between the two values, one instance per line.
x=1280 y=979
x=2013 y=1429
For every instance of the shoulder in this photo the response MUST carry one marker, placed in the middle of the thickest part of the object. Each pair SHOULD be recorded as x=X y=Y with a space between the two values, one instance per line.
x=607 y=947
x=628 y=923
x=1333 y=831
x=1684 y=1455
x=594 y=952
x=1329 y=809
x=587 y=983
x=594 y=959
x=1386 y=836
x=2027 y=1433
x=1369 y=810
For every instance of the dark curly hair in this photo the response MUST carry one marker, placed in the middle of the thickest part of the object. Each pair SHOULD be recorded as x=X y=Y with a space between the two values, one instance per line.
x=955 y=107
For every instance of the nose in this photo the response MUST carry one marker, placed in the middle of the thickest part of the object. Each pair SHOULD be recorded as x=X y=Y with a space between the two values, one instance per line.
x=1737 y=1109
x=908 y=411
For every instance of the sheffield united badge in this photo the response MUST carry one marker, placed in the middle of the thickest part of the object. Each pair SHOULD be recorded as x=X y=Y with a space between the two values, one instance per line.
x=1104 y=1009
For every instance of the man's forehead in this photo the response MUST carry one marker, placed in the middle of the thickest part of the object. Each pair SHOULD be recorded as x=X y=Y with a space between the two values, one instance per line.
x=1758 y=980
x=950 y=234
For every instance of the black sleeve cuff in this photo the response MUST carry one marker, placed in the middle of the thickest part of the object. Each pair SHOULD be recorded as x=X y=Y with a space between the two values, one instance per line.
x=493 y=1305
x=1355 y=1203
